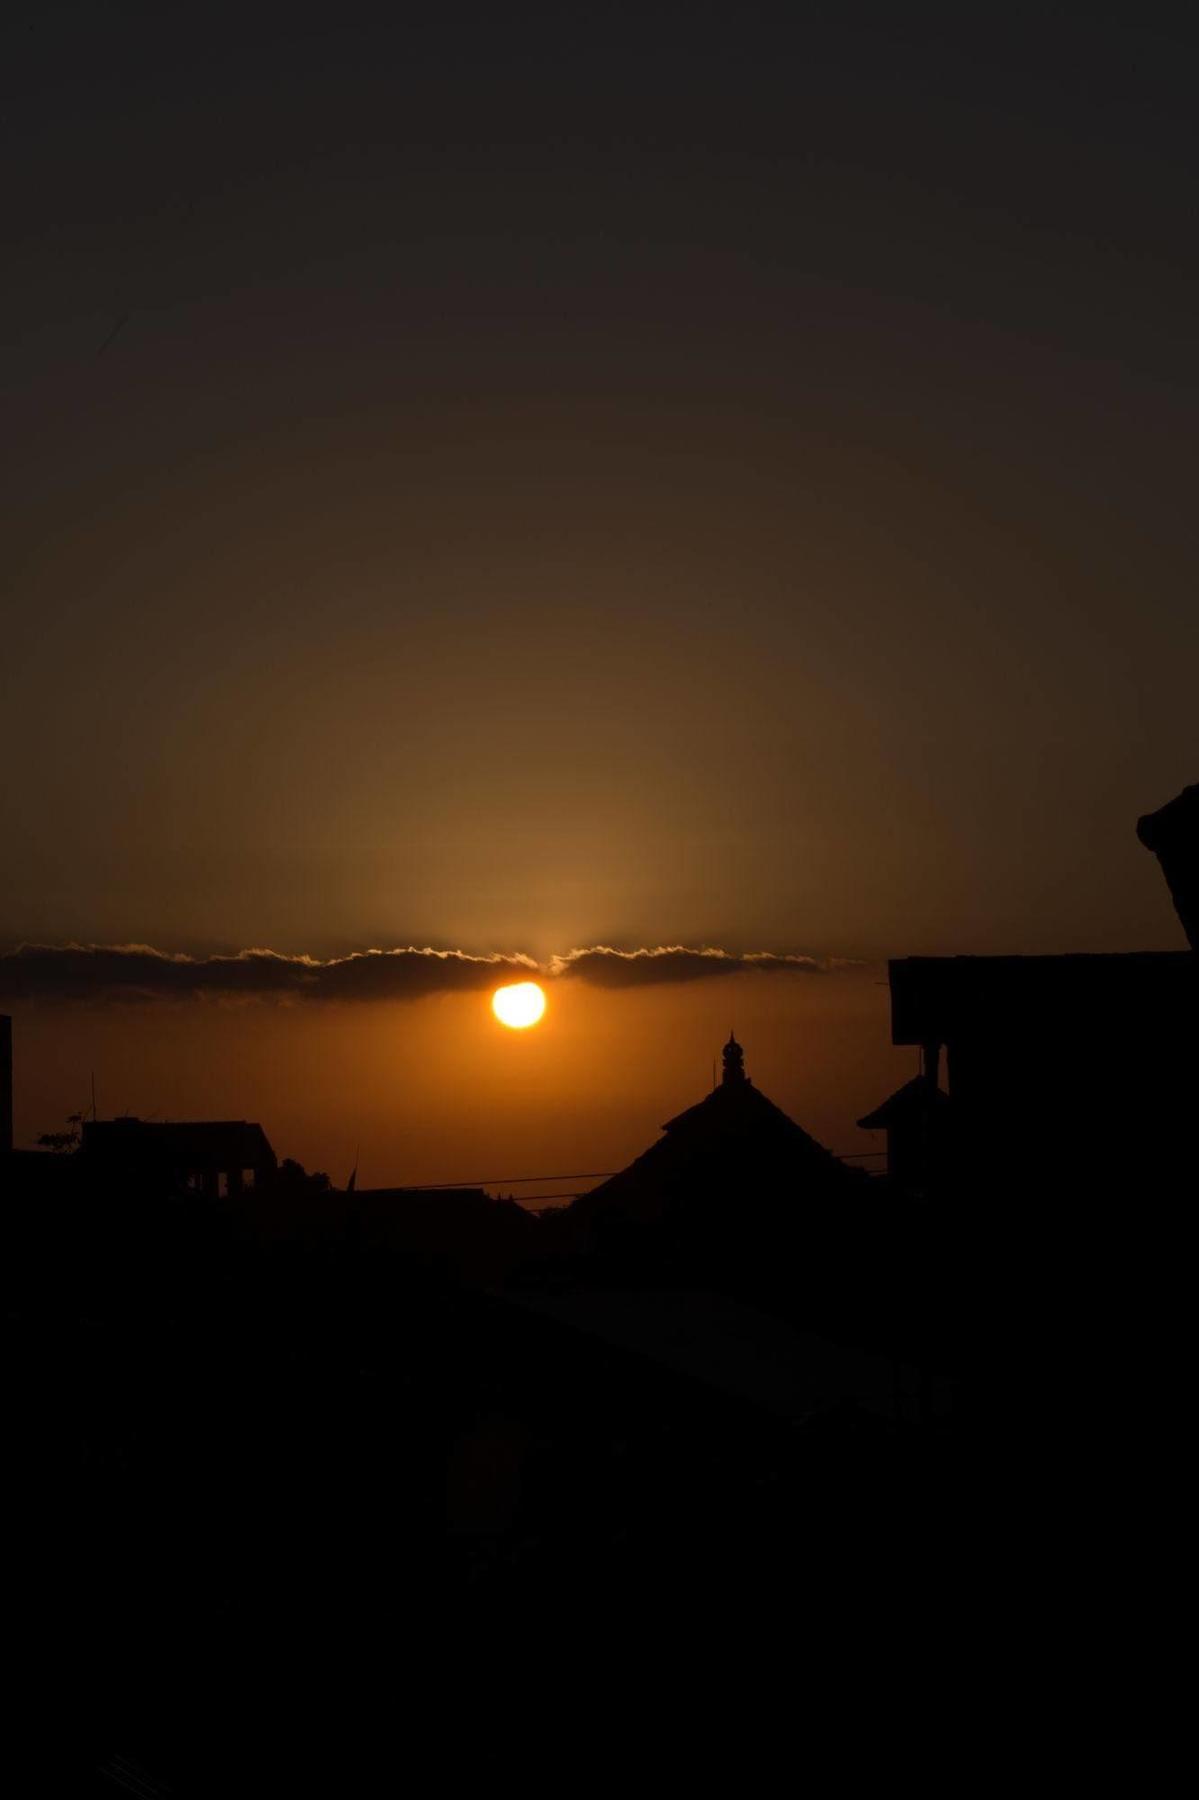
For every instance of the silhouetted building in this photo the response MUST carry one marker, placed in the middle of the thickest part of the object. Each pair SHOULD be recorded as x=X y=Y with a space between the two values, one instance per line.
x=1067 y=1074
x=210 y=1157
x=733 y=1058
x=5 y=1084
x=916 y=1119
x=1070 y=1077
x=725 y=1159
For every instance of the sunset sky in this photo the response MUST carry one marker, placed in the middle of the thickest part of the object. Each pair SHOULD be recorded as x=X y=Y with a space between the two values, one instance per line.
x=513 y=479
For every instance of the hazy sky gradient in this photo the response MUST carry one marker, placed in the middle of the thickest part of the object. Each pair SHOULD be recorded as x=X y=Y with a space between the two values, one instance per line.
x=581 y=474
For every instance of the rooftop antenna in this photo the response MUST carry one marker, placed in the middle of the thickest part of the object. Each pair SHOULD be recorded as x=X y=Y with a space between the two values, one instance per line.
x=93 y=1096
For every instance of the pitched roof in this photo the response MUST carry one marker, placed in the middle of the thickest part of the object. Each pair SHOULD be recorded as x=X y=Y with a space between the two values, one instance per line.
x=733 y=1141
x=912 y=1099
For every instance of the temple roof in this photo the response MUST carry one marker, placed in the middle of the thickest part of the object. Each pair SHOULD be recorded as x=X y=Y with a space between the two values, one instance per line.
x=913 y=1098
x=731 y=1142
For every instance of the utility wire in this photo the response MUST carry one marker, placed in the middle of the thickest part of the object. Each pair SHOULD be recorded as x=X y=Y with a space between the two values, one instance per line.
x=433 y=1187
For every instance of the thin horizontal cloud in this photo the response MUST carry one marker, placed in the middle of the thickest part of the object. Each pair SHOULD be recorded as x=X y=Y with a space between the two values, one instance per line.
x=668 y=963
x=136 y=973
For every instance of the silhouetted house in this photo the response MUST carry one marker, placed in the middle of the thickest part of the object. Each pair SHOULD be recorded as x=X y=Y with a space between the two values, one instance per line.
x=1068 y=1075
x=916 y=1119
x=724 y=1167
x=210 y=1157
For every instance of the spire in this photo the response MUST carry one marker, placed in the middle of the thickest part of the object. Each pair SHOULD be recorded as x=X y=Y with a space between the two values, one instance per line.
x=734 y=1063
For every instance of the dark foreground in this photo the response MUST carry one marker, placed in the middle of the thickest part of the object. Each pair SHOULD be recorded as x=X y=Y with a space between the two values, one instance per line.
x=281 y=1496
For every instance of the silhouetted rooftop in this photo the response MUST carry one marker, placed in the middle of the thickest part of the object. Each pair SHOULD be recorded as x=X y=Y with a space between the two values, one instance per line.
x=731 y=1141
x=224 y=1143
x=913 y=1098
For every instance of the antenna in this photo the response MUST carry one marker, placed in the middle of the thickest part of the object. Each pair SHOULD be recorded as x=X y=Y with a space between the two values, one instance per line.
x=93 y=1096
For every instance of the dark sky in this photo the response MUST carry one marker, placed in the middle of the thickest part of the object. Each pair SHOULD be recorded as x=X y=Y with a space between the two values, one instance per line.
x=596 y=474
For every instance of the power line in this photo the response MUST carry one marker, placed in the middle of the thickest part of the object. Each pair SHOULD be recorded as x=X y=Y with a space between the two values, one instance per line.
x=433 y=1187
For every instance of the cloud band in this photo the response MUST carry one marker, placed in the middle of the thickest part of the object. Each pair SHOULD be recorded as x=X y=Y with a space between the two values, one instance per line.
x=138 y=973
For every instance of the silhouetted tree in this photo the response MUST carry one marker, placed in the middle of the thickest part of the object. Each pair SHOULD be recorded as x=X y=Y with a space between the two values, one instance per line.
x=62 y=1142
x=293 y=1178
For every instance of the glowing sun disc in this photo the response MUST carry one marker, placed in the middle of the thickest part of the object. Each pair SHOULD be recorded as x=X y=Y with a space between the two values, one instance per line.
x=519 y=1006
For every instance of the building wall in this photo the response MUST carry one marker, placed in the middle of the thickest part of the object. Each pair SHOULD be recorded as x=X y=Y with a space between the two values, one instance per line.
x=1084 y=1113
x=5 y=1084
x=1071 y=1076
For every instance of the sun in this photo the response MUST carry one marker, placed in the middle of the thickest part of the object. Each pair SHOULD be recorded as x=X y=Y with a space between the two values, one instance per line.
x=519 y=1006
